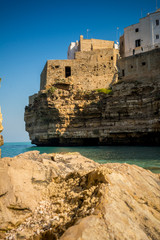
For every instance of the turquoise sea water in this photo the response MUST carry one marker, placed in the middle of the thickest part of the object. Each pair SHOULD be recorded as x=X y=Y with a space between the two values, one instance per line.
x=146 y=157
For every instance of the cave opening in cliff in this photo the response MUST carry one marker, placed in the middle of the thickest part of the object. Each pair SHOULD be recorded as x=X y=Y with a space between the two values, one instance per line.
x=79 y=142
x=67 y=72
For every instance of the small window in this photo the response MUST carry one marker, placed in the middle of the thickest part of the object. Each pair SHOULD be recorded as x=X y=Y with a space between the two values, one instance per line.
x=123 y=72
x=131 y=66
x=138 y=43
x=112 y=58
x=143 y=63
x=137 y=30
x=57 y=66
x=157 y=36
x=122 y=44
x=157 y=22
x=67 y=72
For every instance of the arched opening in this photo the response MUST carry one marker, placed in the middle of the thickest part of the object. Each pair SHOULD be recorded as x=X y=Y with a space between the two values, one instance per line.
x=67 y=72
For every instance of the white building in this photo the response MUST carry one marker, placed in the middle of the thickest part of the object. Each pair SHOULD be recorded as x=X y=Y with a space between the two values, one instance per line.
x=141 y=37
x=73 y=47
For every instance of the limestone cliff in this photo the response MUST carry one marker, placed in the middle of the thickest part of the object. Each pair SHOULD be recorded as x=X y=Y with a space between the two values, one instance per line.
x=70 y=197
x=129 y=114
x=1 y=128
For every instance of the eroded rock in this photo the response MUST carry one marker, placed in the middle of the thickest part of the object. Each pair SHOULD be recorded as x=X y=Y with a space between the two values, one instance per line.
x=69 y=197
x=128 y=115
x=1 y=129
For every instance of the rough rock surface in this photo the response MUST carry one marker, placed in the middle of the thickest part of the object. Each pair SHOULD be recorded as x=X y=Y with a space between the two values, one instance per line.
x=1 y=129
x=128 y=115
x=69 y=197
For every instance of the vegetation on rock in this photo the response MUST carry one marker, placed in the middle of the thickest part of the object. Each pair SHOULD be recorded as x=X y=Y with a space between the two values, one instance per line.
x=104 y=90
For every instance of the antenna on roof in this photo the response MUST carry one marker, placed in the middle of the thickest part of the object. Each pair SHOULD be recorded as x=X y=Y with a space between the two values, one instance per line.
x=87 y=32
x=117 y=35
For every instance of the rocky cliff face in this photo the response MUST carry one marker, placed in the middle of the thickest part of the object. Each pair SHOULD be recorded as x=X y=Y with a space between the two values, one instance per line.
x=1 y=128
x=70 y=197
x=128 y=115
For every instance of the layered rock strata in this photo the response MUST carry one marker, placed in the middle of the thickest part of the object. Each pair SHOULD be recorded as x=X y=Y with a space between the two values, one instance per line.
x=1 y=129
x=67 y=196
x=62 y=115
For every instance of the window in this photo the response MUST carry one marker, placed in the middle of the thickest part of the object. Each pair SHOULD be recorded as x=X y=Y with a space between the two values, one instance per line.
x=138 y=43
x=123 y=73
x=143 y=63
x=111 y=57
x=137 y=30
x=157 y=22
x=131 y=66
x=157 y=36
x=67 y=72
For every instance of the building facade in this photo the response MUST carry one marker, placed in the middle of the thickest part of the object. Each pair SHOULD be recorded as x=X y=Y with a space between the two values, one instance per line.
x=73 y=47
x=88 y=45
x=141 y=66
x=91 y=65
x=141 y=37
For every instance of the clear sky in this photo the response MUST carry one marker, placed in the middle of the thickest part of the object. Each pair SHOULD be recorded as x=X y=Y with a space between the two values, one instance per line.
x=33 y=31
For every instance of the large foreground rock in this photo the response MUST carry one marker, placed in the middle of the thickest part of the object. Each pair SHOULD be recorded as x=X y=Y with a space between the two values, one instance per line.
x=69 y=197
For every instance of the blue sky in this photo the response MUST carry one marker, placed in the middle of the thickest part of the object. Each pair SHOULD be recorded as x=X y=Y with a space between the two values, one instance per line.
x=33 y=31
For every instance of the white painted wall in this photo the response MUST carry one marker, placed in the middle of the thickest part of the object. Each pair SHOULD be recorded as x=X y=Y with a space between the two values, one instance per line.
x=73 y=47
x=147 y=34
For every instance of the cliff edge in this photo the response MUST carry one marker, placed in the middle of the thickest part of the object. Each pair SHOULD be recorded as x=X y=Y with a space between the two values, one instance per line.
x=70 y=197
x=128 y=113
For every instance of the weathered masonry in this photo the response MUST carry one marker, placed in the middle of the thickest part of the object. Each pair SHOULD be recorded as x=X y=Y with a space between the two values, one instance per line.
x=93 y=66
x=140 y=66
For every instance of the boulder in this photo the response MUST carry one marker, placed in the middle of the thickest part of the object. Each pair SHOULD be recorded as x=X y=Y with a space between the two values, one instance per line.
x=69 y=197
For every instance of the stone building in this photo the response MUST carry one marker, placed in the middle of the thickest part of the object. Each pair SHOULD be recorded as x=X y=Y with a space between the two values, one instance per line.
x=141 y=37
x=91 y=65
x=142 y=66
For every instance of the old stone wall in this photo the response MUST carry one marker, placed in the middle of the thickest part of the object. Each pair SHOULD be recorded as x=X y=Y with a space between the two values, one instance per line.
x=93 y=44
x=140 y=66
x=89 y=70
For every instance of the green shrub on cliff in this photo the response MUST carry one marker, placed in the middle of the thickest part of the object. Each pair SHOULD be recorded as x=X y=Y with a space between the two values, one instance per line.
x=51 y=90
x=104 y=90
